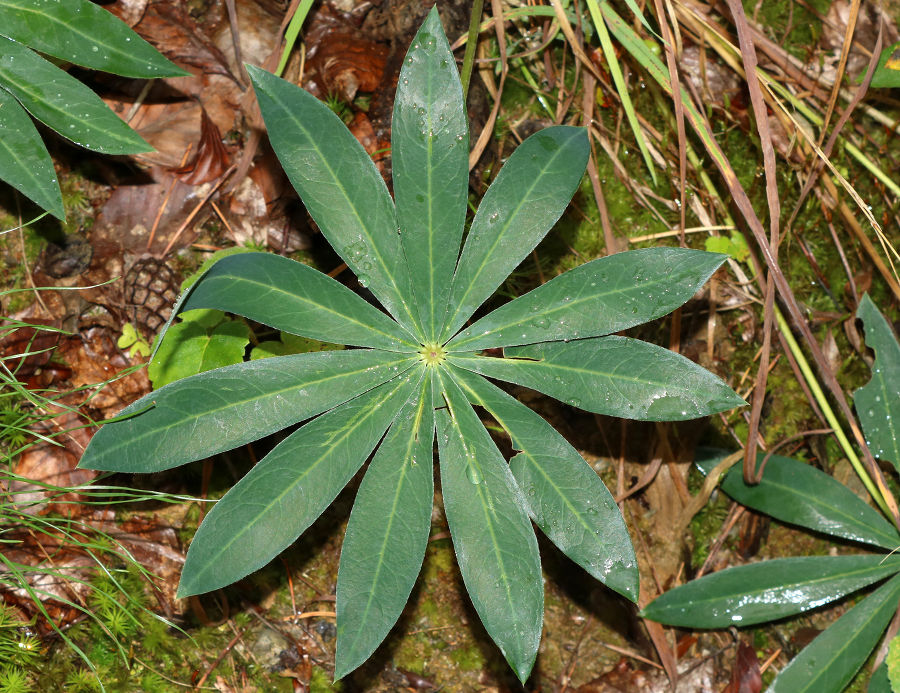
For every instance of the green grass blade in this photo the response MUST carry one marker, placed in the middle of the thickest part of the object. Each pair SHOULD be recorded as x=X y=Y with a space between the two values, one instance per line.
x=878 y=401
x=615 y=71
x=564 y=496
x=616 y=376
x=494 y=542
x=296 y=298
x=83 y=33
x=523 y=203
x=289 y=488
x=63 y=103
x=222 y=409
x=767 y=591
x=832 y=659
x=598 y=298
x=802 y=495
x=24 y=161
x=430 y=150
x=340 y=186
x=387 y=534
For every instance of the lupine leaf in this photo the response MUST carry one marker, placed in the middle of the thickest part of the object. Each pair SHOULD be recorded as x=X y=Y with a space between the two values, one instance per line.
x=430 y=151
x=293 y=297
x=802 y=495
x=878 y=401
x=564 y=496
x=289 y=488
x=617 y=376
x=522 y=204
x=831 y=660
x=495 y=545
x=387 y=533
x=597 y=298
x=63 y=103
x=769 y=590
x=83 y=33
x=340 y=186
x=24 y=161
x=222 y=409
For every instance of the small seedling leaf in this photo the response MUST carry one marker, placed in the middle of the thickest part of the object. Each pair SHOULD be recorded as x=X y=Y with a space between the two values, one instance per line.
x=387 y=533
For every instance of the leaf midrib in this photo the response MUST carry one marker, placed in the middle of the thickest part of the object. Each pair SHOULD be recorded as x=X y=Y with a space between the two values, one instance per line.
x=404 y=305
x=314 y=304
x=27 y=170
x=486 y=507
x=448 y=327
x=273 y=393
x=88 y=38
x=351 y=427
x=836 y=510
x=404 y=471
x=847 y=642
x=12 y=79
x=547 y=365
x=542 y=312
x=784 y=586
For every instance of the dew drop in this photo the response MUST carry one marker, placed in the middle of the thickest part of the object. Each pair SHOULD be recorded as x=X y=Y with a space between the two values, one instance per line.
x=473 y=474
x=542 y=323
x=364 y=280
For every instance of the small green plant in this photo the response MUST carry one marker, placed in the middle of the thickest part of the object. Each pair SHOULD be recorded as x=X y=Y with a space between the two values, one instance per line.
x=416 y=372
x=801 y=495
x=76 y=31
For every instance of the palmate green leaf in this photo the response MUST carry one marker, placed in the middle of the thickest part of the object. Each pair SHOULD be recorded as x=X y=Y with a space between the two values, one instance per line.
x=802 y=495
x=24 y=161
x=293 y=297
x=340 y=186
x=63 y=103
x=617 y=376
x=387 y=533
x=597 y=298
x=85 y=34
x=289 y=488
x=766 y=591
x=495 y=545
x=831 y=660
x=878 y=401
x=564 y=496
x=222 y=409
x=430 y=151
x=522 y=204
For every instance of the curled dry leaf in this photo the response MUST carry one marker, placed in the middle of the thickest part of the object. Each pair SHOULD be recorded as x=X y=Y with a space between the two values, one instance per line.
x=211 y=159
